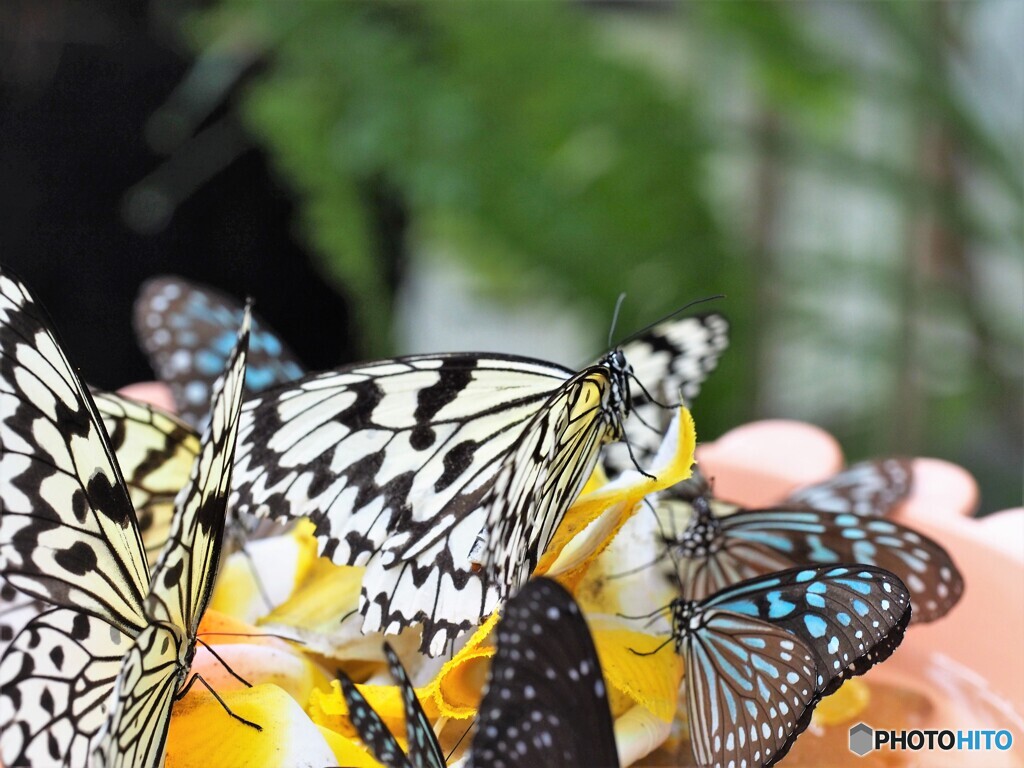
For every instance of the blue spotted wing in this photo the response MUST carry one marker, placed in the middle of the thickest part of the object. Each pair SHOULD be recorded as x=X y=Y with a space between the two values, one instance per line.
x=868 y=488
x=188 y=331
x=714 y=551
x=760 y=655
x=545 y=702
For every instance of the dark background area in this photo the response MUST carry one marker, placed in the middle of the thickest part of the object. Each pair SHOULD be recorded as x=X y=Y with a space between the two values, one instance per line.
x=79 y=86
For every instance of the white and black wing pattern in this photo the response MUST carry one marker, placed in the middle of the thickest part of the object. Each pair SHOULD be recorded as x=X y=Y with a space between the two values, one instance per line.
x=55 y=682
x=155 y=451
x=399 y=463
x=545 y=703
x=672 y=360
x=188 y=331
x=158 y=664
x=68 y=536
x=16 y=610
x=68 y=532
x=869 y=488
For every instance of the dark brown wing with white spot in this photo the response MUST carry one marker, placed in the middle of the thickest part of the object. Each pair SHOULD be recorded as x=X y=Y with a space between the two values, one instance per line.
x=545 y=703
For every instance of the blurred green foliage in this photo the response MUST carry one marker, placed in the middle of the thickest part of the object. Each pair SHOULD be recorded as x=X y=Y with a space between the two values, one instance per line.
x=667 y=151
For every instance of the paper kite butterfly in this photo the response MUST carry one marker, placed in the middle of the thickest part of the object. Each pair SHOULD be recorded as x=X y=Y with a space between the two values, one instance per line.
x=188 y=330
x=760 y=654
x=715 y=551
x=101 y=668
x=545 y=702
x=155 y=452
x=445 y=475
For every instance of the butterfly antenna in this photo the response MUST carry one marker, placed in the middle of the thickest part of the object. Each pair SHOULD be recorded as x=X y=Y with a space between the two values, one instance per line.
x=274 y=635
x=184 y=691
x=670 y=315
x=615 y=317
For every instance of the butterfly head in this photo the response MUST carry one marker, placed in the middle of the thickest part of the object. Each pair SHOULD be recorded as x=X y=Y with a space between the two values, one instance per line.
x=685 y=620
x=619 y=401
x=702 y=536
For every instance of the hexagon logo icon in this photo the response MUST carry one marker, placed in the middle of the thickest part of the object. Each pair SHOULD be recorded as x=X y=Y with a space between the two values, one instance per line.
x=862 y=739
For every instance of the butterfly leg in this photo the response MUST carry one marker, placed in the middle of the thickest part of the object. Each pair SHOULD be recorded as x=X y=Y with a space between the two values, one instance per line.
x=188 y=686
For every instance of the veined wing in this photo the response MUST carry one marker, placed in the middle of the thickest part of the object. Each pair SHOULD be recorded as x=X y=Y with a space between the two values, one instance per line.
x=868 y=488
x=374 y=452
x=760 y=654
x=68 y=532
x=152 y=673
x=851 y=617
x=750 y=689
x=55 y=681
x=155 y=451
x=761 y=541
x=188 y=331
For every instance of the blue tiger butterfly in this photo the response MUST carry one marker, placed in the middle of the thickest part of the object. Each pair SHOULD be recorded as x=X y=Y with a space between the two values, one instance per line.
x=188 y=331
x=714 y=551
x=545 y=703
x=760 y=655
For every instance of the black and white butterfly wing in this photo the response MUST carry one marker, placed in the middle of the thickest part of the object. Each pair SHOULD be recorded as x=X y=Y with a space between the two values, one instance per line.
x=375 y=452
x=68 y=536
x=673 y=359
x=869 y=488
x=55 y=682
x=16 y=610
x=182 y=584
x=188 y=331
x=155 y=451
x=537 y=480
x=750 y=688
x=546 y=702
x=68 y=532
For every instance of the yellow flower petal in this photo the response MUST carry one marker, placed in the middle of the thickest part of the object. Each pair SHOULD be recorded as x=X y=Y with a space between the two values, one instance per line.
x=270 y=568
x=844 y=705
x=202 y=733
x=649 y=681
